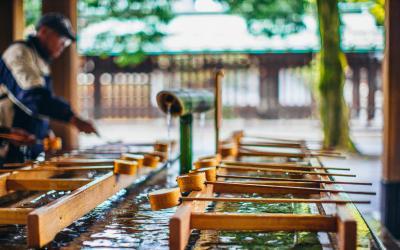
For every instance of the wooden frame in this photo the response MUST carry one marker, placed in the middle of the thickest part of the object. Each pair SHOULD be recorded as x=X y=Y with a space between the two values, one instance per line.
x=43 y=223
x=191 y=215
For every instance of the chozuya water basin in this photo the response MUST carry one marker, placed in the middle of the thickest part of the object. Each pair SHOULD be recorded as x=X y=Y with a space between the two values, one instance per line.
x=126 y=221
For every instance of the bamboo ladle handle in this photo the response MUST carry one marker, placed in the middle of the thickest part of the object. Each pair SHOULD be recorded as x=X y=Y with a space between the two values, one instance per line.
x=241 y=168
x=273 y=200
x=290 y=179
x=167 y=198
x=299 y=189
x=278 y=165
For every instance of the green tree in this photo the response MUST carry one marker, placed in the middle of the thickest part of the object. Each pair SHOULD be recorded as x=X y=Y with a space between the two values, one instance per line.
x=285 y=16
x=377 y=9
x=152 y=15
x=333 y=109
x=32 y=10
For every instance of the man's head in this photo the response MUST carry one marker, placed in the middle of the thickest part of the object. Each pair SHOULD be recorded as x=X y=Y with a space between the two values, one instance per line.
x=55 y=33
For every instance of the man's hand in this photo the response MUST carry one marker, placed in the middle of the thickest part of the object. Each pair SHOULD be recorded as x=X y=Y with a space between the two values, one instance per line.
x=22 y=137
x=83 y=126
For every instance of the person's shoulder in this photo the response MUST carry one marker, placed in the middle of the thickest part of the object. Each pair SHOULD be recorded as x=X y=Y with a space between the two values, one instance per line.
x=18 y=48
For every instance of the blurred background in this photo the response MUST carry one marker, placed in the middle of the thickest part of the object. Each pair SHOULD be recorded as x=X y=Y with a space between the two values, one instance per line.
x=128 y=52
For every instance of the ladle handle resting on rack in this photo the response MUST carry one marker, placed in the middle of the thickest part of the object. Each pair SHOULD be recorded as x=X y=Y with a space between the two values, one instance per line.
x=218 y=107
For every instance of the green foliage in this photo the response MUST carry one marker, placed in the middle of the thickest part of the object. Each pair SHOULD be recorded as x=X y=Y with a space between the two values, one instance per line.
x=152 y=14
x=32 y=11
x=270 y=17
x=280 y=17
x=126 y=58
x=377 y=9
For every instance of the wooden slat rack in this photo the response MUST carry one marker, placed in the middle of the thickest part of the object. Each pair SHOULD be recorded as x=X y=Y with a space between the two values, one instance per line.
x=44 y=222
x=192 y=215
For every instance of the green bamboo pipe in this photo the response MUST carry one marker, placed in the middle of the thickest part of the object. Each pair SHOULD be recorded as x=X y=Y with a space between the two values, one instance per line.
x=183 y=103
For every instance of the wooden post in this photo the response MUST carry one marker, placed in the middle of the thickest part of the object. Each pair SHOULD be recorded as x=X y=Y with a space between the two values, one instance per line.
x=97 y=104
x=391 y=132
x=356 y=91
x=372 y=70
x=218 y=107
x=64 y=70
x=269 y=91
x=346 y=229
x=12 y=22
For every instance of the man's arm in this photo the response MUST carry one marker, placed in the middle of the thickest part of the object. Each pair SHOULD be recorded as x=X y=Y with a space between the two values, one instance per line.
x=28 y=89
x=27 y=83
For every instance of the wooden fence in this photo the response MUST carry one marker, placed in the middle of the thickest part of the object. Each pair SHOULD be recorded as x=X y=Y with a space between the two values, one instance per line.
x=251 y=87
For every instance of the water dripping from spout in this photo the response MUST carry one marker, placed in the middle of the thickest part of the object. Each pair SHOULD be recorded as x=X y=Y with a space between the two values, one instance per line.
x=202 y=124
x=202 y=119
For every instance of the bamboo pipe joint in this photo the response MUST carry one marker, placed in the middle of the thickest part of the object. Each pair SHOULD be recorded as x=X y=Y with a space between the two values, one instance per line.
x=181 y=102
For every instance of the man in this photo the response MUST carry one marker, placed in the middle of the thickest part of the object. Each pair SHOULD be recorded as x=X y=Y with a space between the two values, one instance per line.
x=26 y=98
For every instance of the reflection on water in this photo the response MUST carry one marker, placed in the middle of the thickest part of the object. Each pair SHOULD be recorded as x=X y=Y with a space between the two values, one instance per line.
x=123 y=221
x=130 y=223
x=126 y=221
x=257 y=240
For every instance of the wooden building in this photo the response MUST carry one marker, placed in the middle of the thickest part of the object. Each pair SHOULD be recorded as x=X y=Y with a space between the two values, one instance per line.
x=266 y=77
x=65 y=74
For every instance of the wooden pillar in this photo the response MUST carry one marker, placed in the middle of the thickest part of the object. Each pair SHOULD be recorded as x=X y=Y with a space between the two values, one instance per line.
x=372 y=85
x=12 y=22
x=64 y=70
x=391 y=133
x=356 y=91
x=97 y=104
x=269 y=91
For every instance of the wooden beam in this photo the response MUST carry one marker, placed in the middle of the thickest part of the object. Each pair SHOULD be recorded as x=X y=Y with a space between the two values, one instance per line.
x=64 y=70
x=244 y=188
x=46 y=184
x=81 y=162
x=14 y=215
x=372 y=87
x=264 y=222
x=391 y=92
x=12 y=22
x=269 y=91
x=347 y=224
x=356 y=91
x=4 y=190
x=179 y=224
x=269 y=144
x=242 y=153
x=391 y=120
x=45 y=222
x=54 y=170
x=347 y=229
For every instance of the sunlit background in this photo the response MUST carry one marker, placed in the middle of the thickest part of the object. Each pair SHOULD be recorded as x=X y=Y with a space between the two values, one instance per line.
x=269 y=85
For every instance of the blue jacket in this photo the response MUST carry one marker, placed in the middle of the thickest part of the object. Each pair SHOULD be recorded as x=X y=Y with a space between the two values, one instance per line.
x=25 y=76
